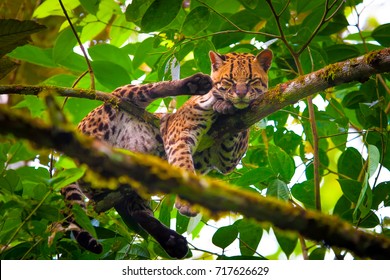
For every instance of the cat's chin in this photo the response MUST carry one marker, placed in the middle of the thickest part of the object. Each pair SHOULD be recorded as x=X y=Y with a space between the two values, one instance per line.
x=241 y=105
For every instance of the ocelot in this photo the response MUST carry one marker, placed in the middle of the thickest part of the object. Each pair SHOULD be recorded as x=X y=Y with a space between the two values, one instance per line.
x=236 y=81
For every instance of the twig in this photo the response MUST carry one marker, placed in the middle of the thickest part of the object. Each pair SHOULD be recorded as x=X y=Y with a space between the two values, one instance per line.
x=80 y=45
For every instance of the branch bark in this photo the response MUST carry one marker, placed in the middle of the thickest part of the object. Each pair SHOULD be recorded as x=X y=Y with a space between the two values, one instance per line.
x=149 y=174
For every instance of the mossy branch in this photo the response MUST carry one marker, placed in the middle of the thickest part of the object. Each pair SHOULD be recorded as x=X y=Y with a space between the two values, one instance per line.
x=148 y=174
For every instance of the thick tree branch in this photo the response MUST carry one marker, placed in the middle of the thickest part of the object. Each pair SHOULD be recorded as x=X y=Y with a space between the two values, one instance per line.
x=150 y=174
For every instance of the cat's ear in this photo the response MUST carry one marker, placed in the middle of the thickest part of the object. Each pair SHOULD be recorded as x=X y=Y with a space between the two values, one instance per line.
x=216 y=60
x=265 y=58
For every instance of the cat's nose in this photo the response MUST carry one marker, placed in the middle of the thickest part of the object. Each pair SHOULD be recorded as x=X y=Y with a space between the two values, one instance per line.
x=241 y=90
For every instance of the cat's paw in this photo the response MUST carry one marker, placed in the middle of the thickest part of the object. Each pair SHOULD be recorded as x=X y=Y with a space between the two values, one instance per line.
x=184 y=208
x=198 y=84
x=224 y=107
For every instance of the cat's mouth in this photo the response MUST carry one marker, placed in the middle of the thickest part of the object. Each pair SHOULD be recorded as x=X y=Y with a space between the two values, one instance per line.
x=241 y=104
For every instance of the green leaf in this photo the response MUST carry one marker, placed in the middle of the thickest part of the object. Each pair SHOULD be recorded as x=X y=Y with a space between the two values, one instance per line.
x=340 y=52
x=65 y=162
x=351 y=189
x=369 y=221
x=136 y=10
x=281 y=163
x=201 y=56
x=373 y=159
x=255 y=176
x=165 y=210
x=34 y=104
x=250 y=4
x=224 y=236
x=11 y=182
x=382 y=34
x=317 y=254
x=350 y=163
x=64 y=45
x=250 y=236
x=35 y=55
x=6 y=66
x=365 y=200
x=20 y=152
x=381 y=193
x=304 y=192
x=196 y=21
x=91 y=6
x=278 y=189
x=159 y=14
x=287 y=241
x=78 y=108
x=106 y=52
x=287 y=140
x=342 y=206
x=82 y=219
x=53 y=8
x=110 y=75
x=66 y=177
x=15 y=33
x=371 y=116
x=181 y=223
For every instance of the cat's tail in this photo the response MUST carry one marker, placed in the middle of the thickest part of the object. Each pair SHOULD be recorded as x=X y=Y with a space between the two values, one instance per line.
x=173 y=243
x=73 y=195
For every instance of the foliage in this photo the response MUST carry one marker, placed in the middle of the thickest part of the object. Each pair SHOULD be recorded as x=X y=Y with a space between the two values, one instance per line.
x=143 y=42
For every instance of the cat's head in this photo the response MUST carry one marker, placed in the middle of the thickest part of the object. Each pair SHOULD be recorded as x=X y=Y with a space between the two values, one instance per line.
x=240 y=78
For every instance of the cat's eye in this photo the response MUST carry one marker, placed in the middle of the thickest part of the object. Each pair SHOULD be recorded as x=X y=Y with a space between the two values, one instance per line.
x=254 y=82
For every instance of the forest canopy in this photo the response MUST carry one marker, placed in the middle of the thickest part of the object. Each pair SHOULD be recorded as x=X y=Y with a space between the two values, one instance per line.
x=314 y=182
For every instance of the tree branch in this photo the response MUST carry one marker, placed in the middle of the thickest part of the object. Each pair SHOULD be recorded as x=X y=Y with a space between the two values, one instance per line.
x=146 y=173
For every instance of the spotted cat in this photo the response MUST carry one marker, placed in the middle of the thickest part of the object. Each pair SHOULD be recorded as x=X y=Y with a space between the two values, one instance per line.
x=238 y=79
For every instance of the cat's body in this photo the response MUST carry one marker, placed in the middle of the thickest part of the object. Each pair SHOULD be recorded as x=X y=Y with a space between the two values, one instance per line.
x=238 y=79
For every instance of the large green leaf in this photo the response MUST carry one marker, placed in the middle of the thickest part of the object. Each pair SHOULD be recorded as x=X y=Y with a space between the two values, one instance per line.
x=250 y=236
x=196 y=21
x=281 y=163
x=351 y=189
x=341 y=52
x=53 y=8
x=350 y=163
x=159 y=14
x=381 y=193
x=64 y=45
x=15 y=33
x=304 y=192
x=136 y=10
x=382 y=34
x=91 y=6
x=278 y=189
x=255 y=176
x=224 y=236
x=106 y=52
x=287 y=241
x=165 y=210
x=35 y=55
x=110 y=75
